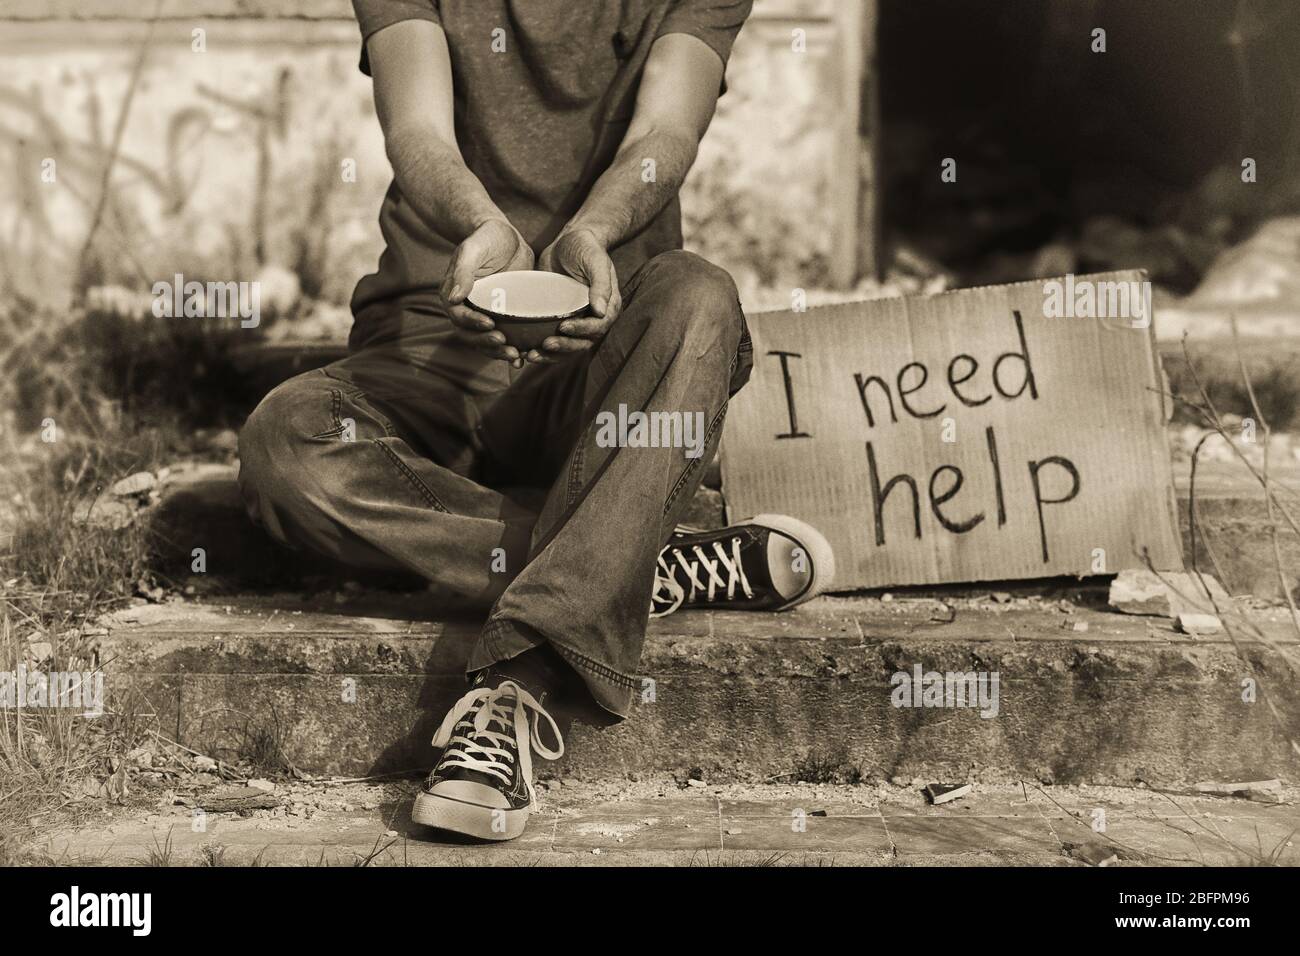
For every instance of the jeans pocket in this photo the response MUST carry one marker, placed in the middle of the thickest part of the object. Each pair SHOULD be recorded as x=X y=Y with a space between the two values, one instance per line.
x=338 y=422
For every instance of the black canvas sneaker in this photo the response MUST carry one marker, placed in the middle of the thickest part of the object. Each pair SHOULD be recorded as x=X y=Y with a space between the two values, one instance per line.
x=483 y=783
x=765 y=563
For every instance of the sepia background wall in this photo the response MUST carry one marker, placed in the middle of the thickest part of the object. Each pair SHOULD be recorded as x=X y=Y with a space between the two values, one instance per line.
x=233 y=163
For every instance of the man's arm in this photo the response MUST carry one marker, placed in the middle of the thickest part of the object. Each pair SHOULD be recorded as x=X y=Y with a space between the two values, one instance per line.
x=674 y=105
x=411 y=66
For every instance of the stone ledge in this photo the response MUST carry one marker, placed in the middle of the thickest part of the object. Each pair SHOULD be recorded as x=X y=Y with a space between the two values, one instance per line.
x=743 y=696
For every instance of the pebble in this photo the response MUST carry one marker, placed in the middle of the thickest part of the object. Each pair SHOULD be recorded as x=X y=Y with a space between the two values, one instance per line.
x=38 y=651
x=139 y=483
x=1199 y=624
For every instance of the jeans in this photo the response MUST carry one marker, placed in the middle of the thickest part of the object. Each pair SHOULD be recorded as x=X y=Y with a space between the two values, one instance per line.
x=415 y=453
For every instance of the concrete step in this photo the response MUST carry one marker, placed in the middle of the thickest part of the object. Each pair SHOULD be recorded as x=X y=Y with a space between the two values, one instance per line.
x=649 y=823
x=356 y=683
x=1234 y=527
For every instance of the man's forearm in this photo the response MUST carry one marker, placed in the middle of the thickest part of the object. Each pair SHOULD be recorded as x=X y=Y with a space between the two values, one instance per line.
x=644 y=177
x=434 y=179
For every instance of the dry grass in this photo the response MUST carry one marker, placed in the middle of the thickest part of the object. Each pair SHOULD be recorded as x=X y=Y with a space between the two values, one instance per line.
x=1281 y=507
x=86 y=399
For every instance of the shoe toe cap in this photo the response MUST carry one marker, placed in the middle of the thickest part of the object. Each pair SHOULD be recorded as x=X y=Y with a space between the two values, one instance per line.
x=470 y=791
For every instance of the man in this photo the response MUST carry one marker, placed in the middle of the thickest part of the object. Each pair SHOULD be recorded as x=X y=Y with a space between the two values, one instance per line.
x=522 y=133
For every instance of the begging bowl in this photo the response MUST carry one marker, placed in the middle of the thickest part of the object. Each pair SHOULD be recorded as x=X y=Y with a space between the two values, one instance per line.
x=528 y=306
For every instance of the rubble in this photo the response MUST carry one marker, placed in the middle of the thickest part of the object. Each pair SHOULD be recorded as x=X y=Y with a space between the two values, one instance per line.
x=1092 y=853
x=938 y=793
x=1245 y=788
x=140 y=483
x=235 y=799
x=1167 y=594
x=1199 y=624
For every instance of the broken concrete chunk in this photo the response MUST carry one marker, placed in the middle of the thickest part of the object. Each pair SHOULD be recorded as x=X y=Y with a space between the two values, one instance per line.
x=1263 y=796
x=1167 y=594
x=1243 y=788
x=946 y=792
x=1092 y=853
x=38 y=652
x=1139 y=592
x=235 y=800
x=1197 y=624
x=137 y=484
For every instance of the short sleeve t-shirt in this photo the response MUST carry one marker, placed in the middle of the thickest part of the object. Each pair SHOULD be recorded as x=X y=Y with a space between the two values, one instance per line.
x=544 y=91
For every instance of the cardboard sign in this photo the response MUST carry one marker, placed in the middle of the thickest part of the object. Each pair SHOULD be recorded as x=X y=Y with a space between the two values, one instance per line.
x=1006 y=432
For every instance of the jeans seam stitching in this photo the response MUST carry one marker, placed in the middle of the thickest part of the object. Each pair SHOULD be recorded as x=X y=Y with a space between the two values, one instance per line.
x=575 y=472
x=686 y=473
x=336 y=405
x=350 y=387
x=597 y=668
x=421 y=488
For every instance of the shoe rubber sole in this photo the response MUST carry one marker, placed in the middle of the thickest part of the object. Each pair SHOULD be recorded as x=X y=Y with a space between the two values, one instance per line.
x=815 y=546
x=470 y=819
x=810 y=539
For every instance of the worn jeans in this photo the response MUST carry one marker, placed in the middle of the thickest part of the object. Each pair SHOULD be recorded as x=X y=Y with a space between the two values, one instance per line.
x=416 y=453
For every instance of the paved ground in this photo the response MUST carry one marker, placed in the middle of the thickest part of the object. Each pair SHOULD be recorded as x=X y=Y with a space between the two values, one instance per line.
x=653 y=823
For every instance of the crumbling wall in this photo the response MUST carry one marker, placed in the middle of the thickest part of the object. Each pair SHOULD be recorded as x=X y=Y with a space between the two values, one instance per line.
x=249 y=148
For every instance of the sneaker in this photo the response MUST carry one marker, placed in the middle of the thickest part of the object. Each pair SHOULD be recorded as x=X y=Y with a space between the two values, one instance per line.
x=765 y=563
x=483 y=783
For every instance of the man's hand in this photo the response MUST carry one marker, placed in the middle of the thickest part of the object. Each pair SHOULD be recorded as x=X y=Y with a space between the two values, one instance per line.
x=495 y=246
x=578 y=253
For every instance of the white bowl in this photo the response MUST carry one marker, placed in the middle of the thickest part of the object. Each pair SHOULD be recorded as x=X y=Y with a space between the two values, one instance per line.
x=528 y=306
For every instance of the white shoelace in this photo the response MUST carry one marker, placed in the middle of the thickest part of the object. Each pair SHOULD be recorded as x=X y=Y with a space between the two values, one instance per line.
x=506 y=706
x=667 y=591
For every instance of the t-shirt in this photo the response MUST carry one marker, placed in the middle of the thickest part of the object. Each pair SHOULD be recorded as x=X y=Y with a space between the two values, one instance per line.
x=544 y=91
